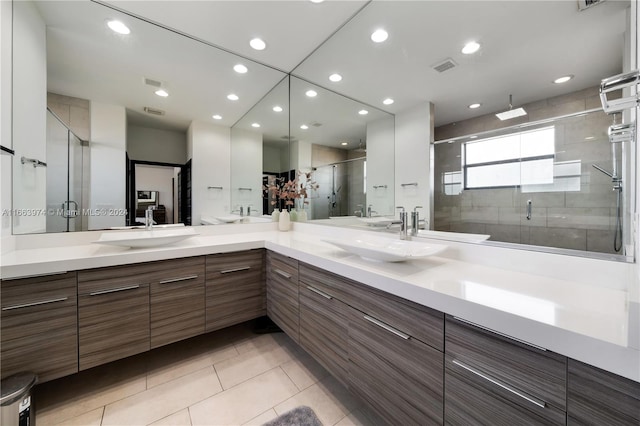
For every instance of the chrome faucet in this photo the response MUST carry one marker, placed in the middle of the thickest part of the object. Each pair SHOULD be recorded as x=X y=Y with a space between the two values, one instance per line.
x=148 y=218
x=360 y=211
x=403 y=224
x=238 y=210
x=370 y=211
x=415 y=221
x=248 y=210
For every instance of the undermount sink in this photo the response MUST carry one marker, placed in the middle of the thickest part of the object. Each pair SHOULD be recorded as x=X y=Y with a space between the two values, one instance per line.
x=385 y=249
x=147 y=238
x=234 y=218
x=376 y=220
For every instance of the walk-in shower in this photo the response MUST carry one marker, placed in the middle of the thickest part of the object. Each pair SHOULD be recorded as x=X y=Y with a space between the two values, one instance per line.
x=341 y=188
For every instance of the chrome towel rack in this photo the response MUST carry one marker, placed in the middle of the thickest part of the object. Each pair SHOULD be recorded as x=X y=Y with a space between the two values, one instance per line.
x=36 y=163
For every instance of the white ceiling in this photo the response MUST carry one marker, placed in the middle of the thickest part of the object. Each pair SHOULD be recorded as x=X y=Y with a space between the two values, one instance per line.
x=525 y=45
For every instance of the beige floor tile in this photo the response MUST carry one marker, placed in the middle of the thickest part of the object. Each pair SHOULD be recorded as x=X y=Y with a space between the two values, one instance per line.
x=304 y=371
x=328 y=398
x=261 y=341
x=162 y=400
x=252 y=362
x=72 y=396
x=245 y=401
x=267 y=416
x=91 y=418
x=361 y=417
x=181 y=418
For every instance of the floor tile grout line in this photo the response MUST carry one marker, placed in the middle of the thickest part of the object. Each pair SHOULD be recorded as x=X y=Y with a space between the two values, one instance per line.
x=290 y=378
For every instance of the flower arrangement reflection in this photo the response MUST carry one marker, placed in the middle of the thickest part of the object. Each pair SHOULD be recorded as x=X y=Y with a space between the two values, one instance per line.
x=285 y=193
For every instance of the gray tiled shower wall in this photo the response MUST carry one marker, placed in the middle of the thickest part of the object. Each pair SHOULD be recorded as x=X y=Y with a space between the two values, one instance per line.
x=583 y=219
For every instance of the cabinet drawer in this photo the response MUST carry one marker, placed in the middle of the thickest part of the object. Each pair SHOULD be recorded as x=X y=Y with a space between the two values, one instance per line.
x=399 y=376
x=324 y=330
x=531 y=370
x=113 y=312
x=418 y=321
x=282 y=268
x=597 y=397
x=39 y=326
x=235 y=288
x=177 y=301
x=472 y=397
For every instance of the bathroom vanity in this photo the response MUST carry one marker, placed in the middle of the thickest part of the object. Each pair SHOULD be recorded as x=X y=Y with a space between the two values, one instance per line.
x=397 y=335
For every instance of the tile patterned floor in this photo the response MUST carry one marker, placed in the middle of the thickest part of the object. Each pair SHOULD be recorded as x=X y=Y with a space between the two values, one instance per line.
x=230 y=377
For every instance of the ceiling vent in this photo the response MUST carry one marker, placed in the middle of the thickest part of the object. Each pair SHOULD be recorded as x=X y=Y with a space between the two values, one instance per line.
x=152 y=82
x=445 y=65
x=586 y=4
x=153 y=111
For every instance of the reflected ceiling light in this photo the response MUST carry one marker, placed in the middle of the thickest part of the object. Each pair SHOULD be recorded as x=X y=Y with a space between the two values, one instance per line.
x=335 y=77
x=363 y=112
x=511 y=113
x=118 y=27
x=588 y=138
x=304 y=127
x=388 y=101
x=378 y=36
x=217 y=117
x=255 y=125
x=240 y=69
x=311 y=93
x=449 y=141
x=474 y=106
x=344 y=143
x=258 y=44
x=471 y=47
x=473 y=137
x=277 y=108
x=563 y=79
x=316 y=1
x=162 y=92
x=232 y=97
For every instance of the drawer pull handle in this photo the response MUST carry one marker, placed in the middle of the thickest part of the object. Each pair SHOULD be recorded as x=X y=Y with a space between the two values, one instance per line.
x=530 y=399
x=28 y=305
x=175 y=280
x=284 y=274
x=387 y=327
x=228 y=271
x=320 y=292
x=500 y=334
x=114 y=290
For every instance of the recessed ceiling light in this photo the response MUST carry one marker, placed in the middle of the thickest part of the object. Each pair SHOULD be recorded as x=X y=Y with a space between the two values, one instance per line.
x=304 y=127
x=471 y=47
x=258 y=44
x=563 y=79
x=316 y=1
x=344 y=143
x=474 y=106
x=363 y=112
x=232 y=97
x=379 y=36
x=217 y=117
x=240 y=69
x=388 y=101
x=118 y=27
x=255 y=125
x=277 y=108
x=162 y=92
x=335 y=77
x=311 y=93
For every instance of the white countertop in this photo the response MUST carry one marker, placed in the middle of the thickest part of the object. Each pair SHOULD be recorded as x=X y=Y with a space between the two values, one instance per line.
x=589 y=318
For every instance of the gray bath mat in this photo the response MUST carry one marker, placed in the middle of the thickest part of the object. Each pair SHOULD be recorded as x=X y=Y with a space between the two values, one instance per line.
x=300 y=416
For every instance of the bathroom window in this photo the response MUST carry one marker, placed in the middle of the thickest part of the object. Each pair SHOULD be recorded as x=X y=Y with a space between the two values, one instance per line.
x=452 y=183
x=516 y=159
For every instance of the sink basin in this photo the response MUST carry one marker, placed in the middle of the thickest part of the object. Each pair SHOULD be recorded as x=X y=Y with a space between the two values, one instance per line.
x=151 y=238
x=385 y=249
x=376 y=220
x=234 y=218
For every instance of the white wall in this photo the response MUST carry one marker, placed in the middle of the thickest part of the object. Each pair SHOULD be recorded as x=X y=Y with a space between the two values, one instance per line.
x=301 y=156
x=108 y=166
x=380 y=169
x=414 y=134
x=29 y=116
x=271 y=157
x=162 y=146
x=5 y=118
x=246 y=166
x=157 y=178
x=209 y=147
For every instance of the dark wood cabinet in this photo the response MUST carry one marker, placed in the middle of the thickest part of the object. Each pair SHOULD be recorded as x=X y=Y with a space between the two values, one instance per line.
x=113 y=312
x=39 y=326
x=491 y=377
x=282 y=293
x=597 y=397
x=177 y=301
x=235 y=288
